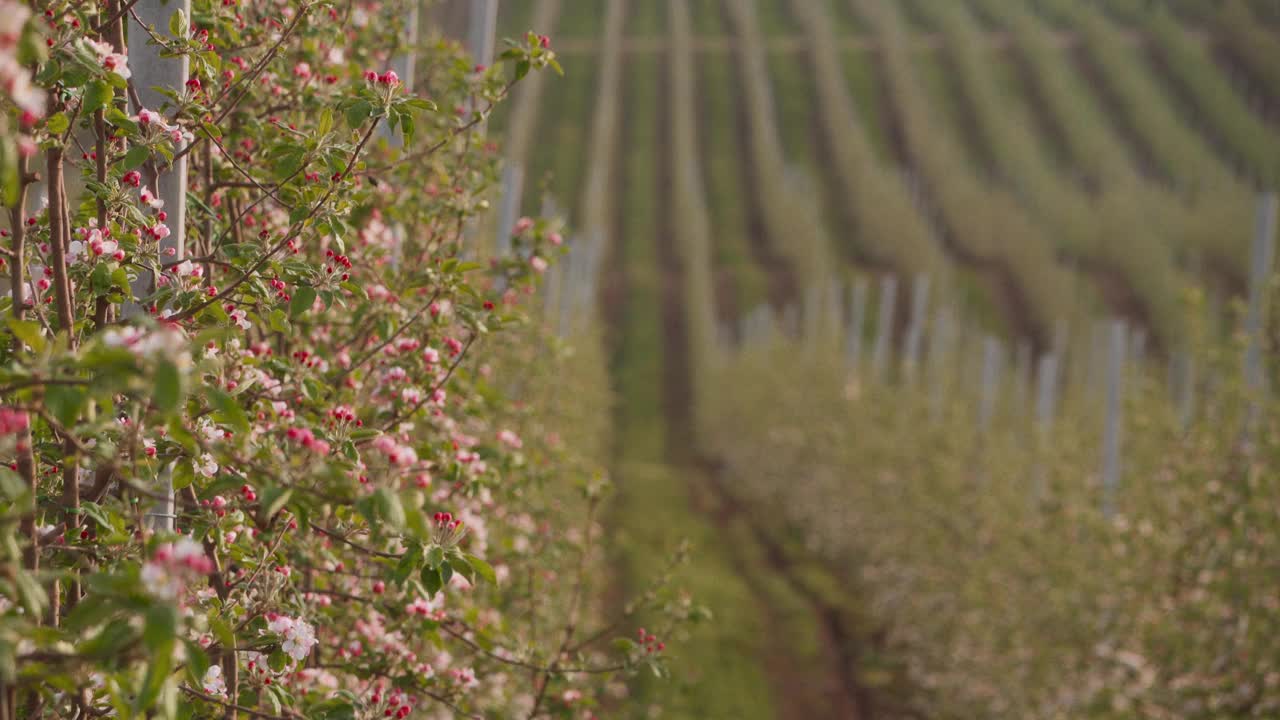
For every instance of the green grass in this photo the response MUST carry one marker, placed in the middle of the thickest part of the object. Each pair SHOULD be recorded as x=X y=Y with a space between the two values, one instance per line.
x=1020 y=98
x=775 y=18
x=648 y=18
x=937 y=76
x=796 y=102
x=847 y=21
x=793 y=97
x=581 y=19
x=726 y=183
x=638 y=360
x=866 y=87
x=717 y=672
x=564 y=115
x=917 y=19
x=707 y=17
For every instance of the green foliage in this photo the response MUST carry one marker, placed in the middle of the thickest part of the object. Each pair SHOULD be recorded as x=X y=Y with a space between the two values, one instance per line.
x=315 y=463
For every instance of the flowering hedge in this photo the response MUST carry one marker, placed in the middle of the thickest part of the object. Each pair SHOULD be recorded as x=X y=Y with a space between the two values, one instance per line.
x=997 y=586
x=360 y=525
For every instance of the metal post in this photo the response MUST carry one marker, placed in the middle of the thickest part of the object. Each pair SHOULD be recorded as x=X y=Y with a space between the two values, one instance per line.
x=1046 y=408
x=791 y=320
x=1137 y=349
x=572 y=259
x=884 y=326
x=1113 y=423
x=1263 y=257
x=153 y=73
x=767 y=328
x=508 y=207
x=915 y=331
x=1021 y=376
x=551 y=289
x=1096 y=387
x=482 y=26
x=812 y=311
x=857 y=318
x=940 y=349
x=832 y=309
x=991 y=352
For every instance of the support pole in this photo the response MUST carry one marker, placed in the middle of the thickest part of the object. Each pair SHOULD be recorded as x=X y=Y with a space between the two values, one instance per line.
x=915 y=331
x=152 y=73
x=991 y=352
x=1113 y=424
x=1046 y=408
x=884 y=327
x=1260 y=267
x=482 y=25
x=857 y=320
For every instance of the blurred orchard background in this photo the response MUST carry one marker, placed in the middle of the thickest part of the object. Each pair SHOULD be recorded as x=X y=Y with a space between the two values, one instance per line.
x=939 y=330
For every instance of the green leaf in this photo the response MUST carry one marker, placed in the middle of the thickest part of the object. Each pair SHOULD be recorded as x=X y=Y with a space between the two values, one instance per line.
x=228 y=411
x=302 y=300
x=279 y=322
x=116 y=117
x=354 y=289
x=168 y=392
x=334 y=709
x=12 y=487
x=100 y=279
x=9 y=170
x=178 y=24
x=435 y=556
x=431 y=581
x=407 y=565
x=160 y=630
x=278 y=660
x=221 y=630
x=389 y=507
x=137 y=155
x=108 y=642
x=326 y=122
x=197 y=661
x=154 y=682
x=57 y=123
x=64 y=401
x=289 y=162
x=183 y=475
x=31 y=595
x=358 y=112
x=88 y=614
x=97 y=95
x=272 y=695
x=273 y=499
x=482 y=568
x=28 y=332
